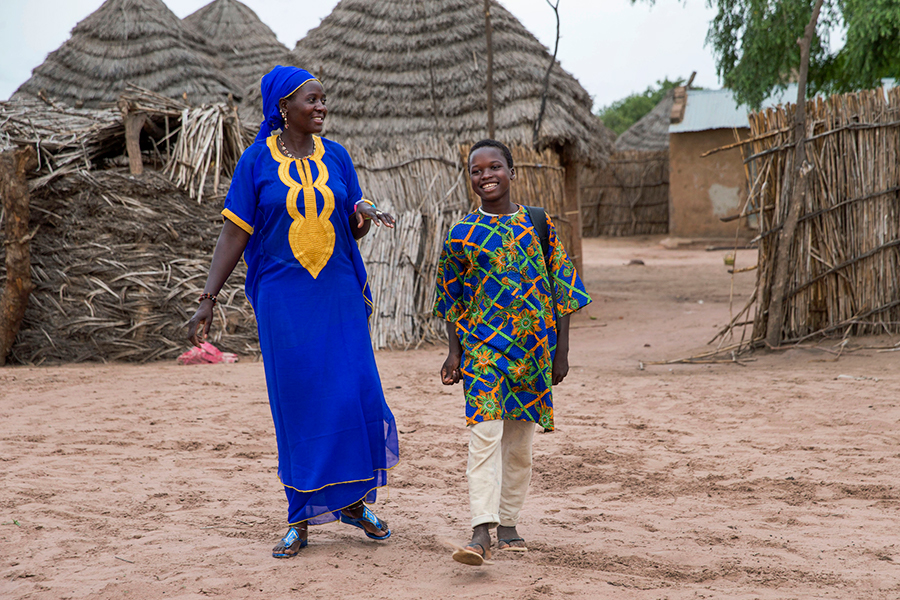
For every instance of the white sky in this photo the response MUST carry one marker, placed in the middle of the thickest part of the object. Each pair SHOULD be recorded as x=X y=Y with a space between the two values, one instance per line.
x=612 y=47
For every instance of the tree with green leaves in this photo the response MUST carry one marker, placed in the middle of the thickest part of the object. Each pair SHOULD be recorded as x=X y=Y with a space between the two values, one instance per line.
x=754 y=43
x=622 y=114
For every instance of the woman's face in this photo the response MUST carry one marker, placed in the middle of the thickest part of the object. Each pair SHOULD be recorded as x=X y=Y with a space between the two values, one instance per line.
x=306 y=108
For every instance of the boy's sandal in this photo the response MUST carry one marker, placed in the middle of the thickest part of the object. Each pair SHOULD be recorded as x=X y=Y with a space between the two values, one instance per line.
x=509 y=545
x=289 y=545
x=470 y=557
x=368 y=517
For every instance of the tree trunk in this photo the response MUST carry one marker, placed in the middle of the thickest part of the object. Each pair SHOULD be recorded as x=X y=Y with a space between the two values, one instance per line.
x=796 y=194
x=14 y=191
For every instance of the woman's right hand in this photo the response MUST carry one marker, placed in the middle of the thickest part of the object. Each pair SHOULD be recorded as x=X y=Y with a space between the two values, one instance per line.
x=198 y=326
x=450 y=372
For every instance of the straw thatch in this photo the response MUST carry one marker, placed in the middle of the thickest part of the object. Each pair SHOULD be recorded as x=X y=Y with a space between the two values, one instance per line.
x=651 y=132
x=245 y=46
x=845 y=261
x=137 y=41
x=397 y=71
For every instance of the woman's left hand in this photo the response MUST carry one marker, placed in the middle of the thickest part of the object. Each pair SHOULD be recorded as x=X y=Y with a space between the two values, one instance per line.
x=365 y=211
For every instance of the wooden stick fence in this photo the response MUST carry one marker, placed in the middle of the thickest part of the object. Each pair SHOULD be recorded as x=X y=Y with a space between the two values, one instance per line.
x=846 y=253
x=630 y=196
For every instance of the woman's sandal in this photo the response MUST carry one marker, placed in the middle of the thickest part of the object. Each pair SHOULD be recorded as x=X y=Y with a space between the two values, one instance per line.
x=289 y=545
x=509 y=547
x=368 y=517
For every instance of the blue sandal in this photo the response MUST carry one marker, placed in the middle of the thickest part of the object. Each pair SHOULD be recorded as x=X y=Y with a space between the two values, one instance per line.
x=291 y=544
x=368 y=517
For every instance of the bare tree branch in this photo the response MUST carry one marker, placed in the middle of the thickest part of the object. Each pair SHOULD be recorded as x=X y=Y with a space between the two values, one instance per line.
x=537 y=124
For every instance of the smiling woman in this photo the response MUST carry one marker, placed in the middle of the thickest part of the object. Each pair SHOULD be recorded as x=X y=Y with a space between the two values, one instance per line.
x=295 y=210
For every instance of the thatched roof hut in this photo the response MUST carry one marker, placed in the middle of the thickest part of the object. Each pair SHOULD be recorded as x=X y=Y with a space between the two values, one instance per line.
x=246 y=47
x=137 y=41
x=407 y=70
x=651 y=132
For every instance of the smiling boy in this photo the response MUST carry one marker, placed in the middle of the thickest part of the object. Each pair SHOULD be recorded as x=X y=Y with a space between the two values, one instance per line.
x=507 y=319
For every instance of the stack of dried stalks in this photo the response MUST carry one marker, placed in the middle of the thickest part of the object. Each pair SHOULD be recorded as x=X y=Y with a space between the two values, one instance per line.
x=846 y=251
x=210 y=137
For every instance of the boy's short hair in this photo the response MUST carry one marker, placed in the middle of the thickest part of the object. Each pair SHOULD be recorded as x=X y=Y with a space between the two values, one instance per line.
x=488 y=143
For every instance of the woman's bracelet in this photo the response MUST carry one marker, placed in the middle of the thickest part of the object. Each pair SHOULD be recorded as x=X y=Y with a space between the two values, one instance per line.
x=369 y=202
x=207 y=296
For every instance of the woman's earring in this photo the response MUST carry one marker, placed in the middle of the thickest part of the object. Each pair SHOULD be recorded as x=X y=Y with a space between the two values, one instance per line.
x=284 y=118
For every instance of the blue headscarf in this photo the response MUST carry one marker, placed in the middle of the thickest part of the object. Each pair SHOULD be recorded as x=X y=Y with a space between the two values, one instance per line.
x=278 y=83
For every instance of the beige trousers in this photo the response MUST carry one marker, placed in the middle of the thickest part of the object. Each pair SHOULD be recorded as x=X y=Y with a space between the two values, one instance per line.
x=499 y=470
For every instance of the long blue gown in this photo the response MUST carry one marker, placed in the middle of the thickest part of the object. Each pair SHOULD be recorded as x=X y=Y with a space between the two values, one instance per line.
x=307 y=284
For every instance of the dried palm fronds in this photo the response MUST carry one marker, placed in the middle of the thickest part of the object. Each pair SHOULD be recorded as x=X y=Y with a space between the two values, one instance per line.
x=118 y=263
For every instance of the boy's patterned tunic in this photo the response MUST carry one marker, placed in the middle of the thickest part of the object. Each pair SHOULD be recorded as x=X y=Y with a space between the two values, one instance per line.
x=492 y=282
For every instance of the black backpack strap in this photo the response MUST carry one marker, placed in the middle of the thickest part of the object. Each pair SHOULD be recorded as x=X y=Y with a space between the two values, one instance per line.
x=539 y=222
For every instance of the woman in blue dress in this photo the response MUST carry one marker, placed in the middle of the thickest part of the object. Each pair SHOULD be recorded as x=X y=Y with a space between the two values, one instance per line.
x=295 y=210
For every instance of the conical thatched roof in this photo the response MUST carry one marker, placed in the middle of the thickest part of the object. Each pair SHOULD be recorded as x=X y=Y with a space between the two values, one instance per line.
x=138 y=41
x=651 y=132
x=407 y=69
x=246 y=47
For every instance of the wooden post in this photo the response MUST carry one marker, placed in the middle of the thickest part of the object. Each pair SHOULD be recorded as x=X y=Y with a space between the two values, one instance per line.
x=571 y=217
x=796 y=195
x=490 y=68
x=134 y=123
x=14 y=191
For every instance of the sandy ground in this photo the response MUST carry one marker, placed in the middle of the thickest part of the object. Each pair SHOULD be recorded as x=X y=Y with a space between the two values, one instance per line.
x=777 y=479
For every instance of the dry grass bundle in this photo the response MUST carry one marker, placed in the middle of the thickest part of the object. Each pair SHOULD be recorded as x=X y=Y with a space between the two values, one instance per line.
x=140 y=41
x=118 y=263
x=846 y=266
x=400 y=70
x=245 y=46
x=210 y=137
x=629 y=197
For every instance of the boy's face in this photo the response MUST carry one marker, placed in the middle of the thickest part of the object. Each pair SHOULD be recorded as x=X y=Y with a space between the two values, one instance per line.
x=489 y=174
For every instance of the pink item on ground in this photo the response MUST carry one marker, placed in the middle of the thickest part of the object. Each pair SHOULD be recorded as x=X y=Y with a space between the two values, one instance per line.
x=205 y=354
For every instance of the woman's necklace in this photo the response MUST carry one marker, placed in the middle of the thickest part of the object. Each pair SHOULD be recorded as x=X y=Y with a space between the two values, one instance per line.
x=285 y=151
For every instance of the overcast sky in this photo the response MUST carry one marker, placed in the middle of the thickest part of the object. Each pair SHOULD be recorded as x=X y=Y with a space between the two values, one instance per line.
x=612 y=47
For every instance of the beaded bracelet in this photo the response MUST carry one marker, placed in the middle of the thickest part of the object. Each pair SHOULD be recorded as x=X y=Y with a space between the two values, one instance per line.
x=369 y=202
x=207 y=296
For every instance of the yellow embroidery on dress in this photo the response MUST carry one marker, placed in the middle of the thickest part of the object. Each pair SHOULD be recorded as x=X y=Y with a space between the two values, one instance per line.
x=311 y=235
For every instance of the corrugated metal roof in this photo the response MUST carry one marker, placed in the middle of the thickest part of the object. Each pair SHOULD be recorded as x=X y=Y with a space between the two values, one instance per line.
x=717 y=109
